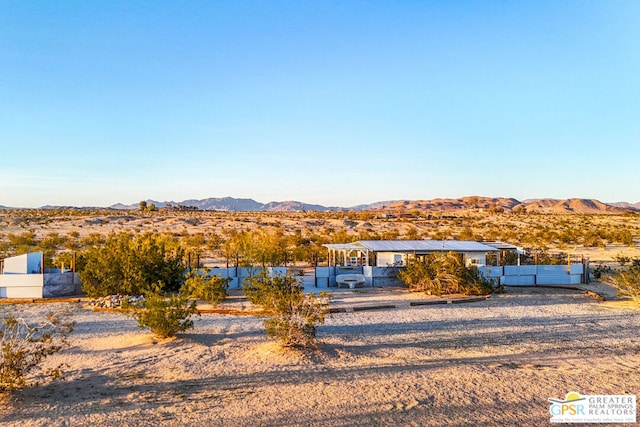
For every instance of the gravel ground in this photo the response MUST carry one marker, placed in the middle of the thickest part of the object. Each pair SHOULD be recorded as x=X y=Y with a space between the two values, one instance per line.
x=493 y=362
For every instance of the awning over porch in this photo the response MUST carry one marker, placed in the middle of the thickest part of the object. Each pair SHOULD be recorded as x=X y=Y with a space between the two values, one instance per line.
x=347 y=254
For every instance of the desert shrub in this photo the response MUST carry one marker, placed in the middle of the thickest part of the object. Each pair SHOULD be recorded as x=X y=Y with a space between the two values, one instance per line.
x=466 y=234
x=24 y=242
x=600 y=270
x=259 y=247
x=627 y=280
x=506 y=258
x=416 y=274
x=542 y=257
x=444 y=273
x=164 y=315
x=24 y=346
x=132 y=265
x=200 y=285
x=293 y=316
x=622 y=260
x=477 y=284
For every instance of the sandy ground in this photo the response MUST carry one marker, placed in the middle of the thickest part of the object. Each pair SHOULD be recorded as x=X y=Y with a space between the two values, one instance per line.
x=493 y=362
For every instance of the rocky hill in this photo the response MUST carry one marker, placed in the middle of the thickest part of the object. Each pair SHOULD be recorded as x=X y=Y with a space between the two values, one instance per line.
x=446 y=205
x=549 y=206
x=626 y=205
x=579 y=206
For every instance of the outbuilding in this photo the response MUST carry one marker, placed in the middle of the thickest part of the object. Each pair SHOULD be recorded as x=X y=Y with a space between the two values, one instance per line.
x=22 y=276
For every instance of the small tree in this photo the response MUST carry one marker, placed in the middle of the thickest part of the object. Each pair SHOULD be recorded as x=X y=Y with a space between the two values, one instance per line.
x=24 y=346
x=293 y=316
x=200 y=285
x=164 y=315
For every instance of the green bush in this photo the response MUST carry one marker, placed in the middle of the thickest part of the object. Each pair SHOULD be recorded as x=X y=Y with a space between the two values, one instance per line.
x=24 y=346
x=627 y=281
x=293 y=317
x=444 y=273
x=132 y=265
x=202 y=286
x=164 y=315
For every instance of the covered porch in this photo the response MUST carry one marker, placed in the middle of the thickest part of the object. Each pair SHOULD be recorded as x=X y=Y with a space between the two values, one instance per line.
x=347 y=254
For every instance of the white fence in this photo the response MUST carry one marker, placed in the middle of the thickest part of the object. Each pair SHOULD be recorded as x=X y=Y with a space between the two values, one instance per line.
x=512 y=275
x=374 y=276
x=238 y=274
x=532 y=275
x=53 y=285
x=48 y=285
x=21 y=285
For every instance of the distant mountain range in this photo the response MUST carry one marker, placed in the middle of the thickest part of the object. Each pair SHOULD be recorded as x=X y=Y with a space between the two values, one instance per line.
x=625 y=205
x=558 y=206
x=579 y=206
x=230 y=204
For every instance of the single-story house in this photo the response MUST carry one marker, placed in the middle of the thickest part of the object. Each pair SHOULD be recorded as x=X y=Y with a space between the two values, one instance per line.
x=394 y=253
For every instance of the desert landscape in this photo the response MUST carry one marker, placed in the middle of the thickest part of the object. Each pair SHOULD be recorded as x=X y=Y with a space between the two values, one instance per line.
x=574 y=227
x=490 y=362
x=434 y=169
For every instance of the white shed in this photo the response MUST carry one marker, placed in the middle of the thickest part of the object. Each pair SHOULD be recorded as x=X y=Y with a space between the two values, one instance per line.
x=22 y=276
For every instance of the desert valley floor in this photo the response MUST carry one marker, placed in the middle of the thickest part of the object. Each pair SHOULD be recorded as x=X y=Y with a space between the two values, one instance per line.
x=492 y=362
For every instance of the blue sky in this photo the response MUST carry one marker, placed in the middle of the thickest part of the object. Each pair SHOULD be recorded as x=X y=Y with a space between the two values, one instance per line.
x=330 y=102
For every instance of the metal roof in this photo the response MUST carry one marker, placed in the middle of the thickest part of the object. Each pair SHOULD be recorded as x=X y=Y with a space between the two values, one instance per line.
x=506 y=247
x=425 y=246
x=502 y=245
x=344 y=246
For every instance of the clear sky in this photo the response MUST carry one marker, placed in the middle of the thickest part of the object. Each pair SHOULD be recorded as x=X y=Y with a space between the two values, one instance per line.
x=330 y=102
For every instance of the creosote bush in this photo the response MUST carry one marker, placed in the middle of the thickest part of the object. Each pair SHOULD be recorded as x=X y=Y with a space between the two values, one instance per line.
x=25 y=346
x=293 y=316
x=627 y=280
x=444 y=273
x=164 y=315
x=200 y=285
x=132 y=265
